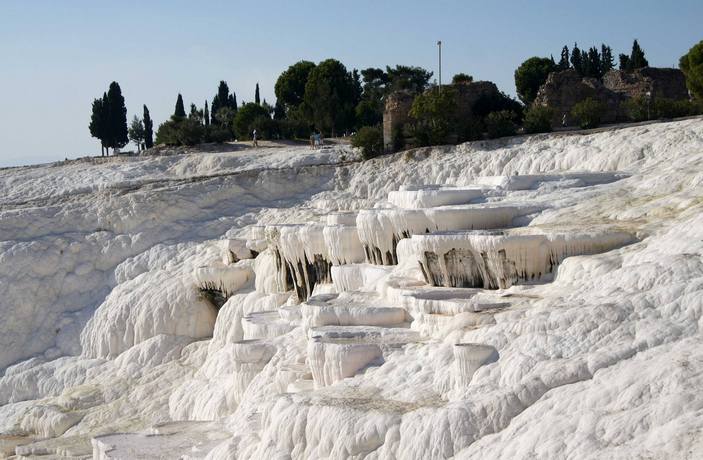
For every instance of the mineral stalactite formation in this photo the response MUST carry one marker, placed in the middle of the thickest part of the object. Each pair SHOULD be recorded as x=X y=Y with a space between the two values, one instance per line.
x=529 y=299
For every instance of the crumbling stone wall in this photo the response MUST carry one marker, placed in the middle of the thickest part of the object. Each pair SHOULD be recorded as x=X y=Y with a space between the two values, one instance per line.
x=566 y=88
x=397 y=109
x=661 y=83
x=395 y=114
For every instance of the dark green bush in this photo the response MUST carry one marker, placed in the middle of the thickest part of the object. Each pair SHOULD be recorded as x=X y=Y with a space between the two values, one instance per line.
x=671 y=108
x=434 y=117
x=636 y=108
x=589 y=113
x=294 y=129
x=245 y=117
x=370 y=140
x=398 y=139
x=501 y=124
x=471 y=129
x=180 y=131
x=538 y=119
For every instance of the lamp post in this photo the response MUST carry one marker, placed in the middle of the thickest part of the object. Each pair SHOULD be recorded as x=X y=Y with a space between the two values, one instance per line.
x=439 y=44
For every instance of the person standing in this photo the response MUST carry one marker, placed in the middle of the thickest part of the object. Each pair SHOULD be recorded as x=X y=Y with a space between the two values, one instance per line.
x=253 y=135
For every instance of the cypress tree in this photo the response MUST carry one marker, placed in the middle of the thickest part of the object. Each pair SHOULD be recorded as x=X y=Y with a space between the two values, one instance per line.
x=624 y=62
x=564 y=61
x=576 y=61
x=594 y=63
x=148 y=129
x=206 y=115
x=222 y=95
x=214 y=107
x=97 y=123
x=257 y=100
x=233 y=101
x=106 y=129
x=606 y=55
x=118 y=137
x=637 y=59
x=180 y=111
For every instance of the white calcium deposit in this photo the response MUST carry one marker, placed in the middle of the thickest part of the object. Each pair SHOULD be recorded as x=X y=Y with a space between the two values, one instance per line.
x=536 y=297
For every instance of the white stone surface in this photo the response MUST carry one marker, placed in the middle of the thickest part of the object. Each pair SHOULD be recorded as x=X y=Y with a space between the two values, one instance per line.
x=103 y=334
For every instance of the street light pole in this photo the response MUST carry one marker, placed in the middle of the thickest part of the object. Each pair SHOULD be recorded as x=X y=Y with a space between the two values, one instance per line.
x=439 y=44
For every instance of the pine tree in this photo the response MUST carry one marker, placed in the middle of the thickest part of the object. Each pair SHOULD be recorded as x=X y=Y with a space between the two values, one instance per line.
x=564 y=61
x=606 y=58
x=576 y=60
x=637 y=59
x=117 y=110
x=206 y=115
x=257 y=100
x=136 y=132
x=148 y=129
x=180 y=111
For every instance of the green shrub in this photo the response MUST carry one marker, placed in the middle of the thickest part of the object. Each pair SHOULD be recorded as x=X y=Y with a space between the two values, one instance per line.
x=636 y=109
x=370 y=140
x=245 y=117
x=266 y=128
x=294 y=129
x=398 y=139
x=589 y=113
x=217 y=133
x=501 y=124
x=180 y=131
x=471 y=129
x=538 y=119
x=434 y=117
x=671 y=108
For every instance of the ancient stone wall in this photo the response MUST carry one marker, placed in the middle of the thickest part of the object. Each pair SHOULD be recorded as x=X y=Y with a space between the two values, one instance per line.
x=564 y=89
x=395 y=114
x=661 y=83
x=398 y=104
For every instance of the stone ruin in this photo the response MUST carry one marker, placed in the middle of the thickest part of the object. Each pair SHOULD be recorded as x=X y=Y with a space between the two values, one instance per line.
x=566 y=88
x=397 y=109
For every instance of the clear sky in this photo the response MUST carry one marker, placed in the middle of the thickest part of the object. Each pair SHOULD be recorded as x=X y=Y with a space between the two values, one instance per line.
x=57 y=56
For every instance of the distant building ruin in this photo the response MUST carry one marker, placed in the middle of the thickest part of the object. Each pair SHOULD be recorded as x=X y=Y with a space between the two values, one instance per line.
x=566 y=88
x=397 y=107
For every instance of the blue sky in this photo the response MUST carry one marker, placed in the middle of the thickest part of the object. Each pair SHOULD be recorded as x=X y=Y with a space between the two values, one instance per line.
x=56 y=57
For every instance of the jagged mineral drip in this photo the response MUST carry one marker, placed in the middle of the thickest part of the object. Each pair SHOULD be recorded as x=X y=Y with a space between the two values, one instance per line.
x=468 y=357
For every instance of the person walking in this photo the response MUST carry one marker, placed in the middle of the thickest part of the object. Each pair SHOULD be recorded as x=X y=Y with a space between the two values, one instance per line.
x=563 y=120
x=253 y=136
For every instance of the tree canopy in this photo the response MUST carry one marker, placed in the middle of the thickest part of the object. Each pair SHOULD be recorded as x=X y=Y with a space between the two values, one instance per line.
x=462 y=78
x=635 y=60
x=108 y=121
x=330 y=96
x=290 y=86
x=691 y=65
x=531 y=75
